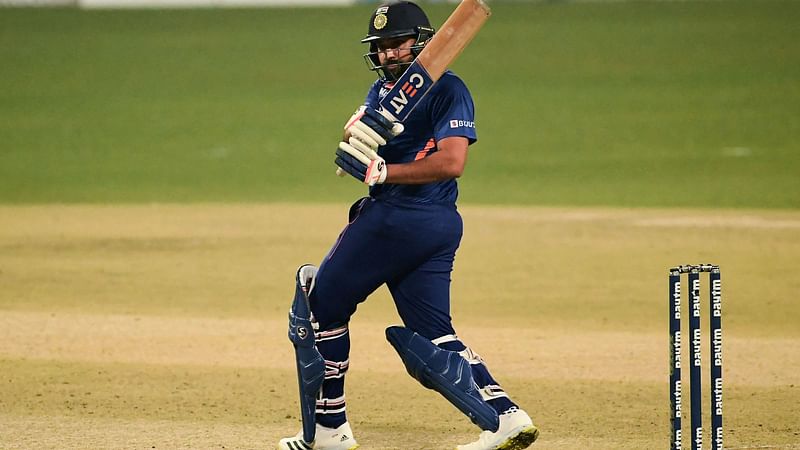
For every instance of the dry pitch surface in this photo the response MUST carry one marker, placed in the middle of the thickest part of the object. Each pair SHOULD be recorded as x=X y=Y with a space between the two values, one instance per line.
x=164 y=326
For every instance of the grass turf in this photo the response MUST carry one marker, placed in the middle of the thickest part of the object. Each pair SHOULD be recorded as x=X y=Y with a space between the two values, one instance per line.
x=626 y=104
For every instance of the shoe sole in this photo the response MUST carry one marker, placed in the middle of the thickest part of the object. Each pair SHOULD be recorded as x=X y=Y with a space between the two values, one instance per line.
x=521 y=440
x=296 y=445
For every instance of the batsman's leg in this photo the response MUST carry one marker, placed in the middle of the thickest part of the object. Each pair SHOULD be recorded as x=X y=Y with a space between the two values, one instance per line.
x=442 y=362
x=490 y=390
x=316 y=398
x=460 y=375
x=516 y=429
x=310 y=364
x=352 y=269
x=444 y=371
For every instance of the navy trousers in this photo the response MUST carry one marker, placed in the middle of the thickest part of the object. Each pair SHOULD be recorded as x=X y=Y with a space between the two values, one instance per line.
x=410 y=248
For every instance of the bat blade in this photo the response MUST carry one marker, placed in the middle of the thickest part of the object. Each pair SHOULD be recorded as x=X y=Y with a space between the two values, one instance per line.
x=445 y=46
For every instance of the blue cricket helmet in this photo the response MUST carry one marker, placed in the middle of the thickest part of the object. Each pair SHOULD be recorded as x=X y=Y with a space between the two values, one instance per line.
x=394 y=20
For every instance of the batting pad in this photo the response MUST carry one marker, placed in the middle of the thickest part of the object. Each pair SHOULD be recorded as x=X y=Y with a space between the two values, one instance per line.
x=310 y=364
x=446 y=372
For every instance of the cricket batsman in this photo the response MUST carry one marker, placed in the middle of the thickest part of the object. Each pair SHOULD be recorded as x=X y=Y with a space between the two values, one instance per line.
x=404 y=234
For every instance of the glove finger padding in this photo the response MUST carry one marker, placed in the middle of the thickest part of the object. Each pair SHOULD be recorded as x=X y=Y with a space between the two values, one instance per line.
x=372 y=128
x=345 y=166
x=362 y=132
x=366 y=130
x=375 y=120
x=352 y=161
x=354 y=153
x=359 y=145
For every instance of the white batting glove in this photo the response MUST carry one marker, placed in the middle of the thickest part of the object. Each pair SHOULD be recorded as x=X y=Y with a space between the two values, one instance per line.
x=351 y=160
x=368 y=129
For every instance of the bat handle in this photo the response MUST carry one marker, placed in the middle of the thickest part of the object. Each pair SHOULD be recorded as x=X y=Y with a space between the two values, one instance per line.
x=340 y=172
x=398 y=127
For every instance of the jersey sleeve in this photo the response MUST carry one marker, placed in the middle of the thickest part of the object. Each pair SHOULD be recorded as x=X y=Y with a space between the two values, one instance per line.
x=452 y=110
x=372 y=100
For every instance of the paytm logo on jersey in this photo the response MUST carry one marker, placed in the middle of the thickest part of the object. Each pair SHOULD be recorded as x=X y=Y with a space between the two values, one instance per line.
x=462 y=123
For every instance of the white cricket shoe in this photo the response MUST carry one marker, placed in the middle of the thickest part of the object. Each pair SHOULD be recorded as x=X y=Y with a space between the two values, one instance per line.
x=340 y=438
x=516 y=432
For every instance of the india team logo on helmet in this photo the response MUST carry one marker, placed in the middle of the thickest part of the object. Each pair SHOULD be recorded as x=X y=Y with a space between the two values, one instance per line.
x=380 y=21
x=380 y=18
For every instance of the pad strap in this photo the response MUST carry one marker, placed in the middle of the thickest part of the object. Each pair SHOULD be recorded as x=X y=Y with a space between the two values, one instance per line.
x=467 y=353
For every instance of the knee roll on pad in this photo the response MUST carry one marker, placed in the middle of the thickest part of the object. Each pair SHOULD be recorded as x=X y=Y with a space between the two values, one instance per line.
x=451 y=342
x=444 y=371
x=310 y=364
x=488 y=387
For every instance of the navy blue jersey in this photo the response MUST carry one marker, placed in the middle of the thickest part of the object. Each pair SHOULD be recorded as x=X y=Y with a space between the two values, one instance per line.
x=447 y=110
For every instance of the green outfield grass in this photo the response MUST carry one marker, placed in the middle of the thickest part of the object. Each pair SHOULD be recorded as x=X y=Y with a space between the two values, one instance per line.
x=625 y=104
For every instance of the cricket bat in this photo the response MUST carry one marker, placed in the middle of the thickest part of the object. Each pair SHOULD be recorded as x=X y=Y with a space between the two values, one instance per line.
x=444 y=47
